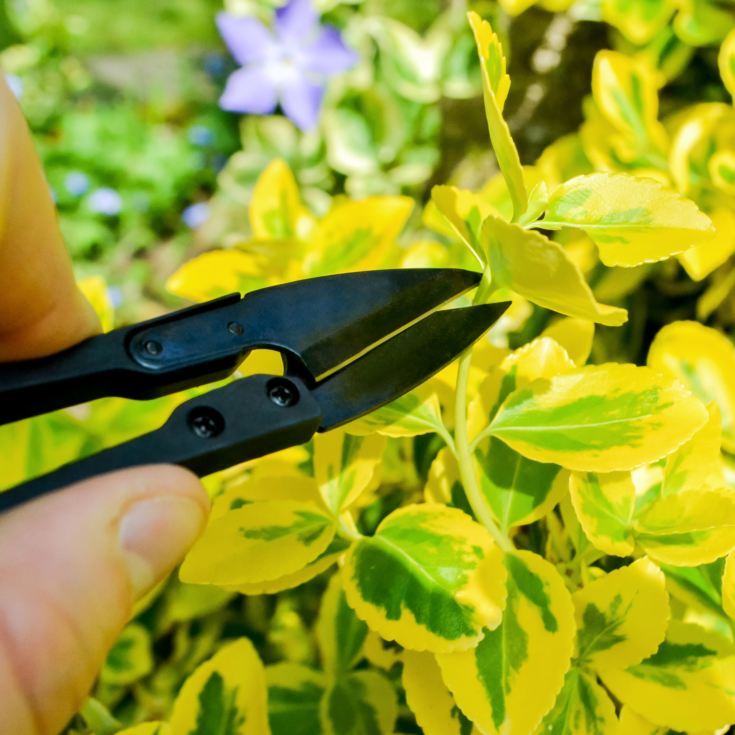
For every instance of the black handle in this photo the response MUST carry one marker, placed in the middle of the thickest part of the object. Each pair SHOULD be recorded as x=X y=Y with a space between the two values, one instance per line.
x=179 y=350
x=246 y=419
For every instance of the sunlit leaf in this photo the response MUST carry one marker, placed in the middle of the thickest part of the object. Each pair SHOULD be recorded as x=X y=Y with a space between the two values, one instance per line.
x=728 y=585
x=429 y=553
x=226 y=695
x=574 y=335
x=294 y=697
x=530 y=651
x=130 y=658
x=632 y=220
x=638 y=20
x=96 y=292
x=599 y=418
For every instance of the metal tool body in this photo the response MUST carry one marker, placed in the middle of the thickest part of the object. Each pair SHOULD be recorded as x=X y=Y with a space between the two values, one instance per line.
x=350 y=344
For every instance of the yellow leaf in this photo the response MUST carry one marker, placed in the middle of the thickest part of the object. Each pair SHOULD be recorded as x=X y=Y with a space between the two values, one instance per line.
x=258 y=543
x=574 y=335
x=686 y=685
x=529 y=652
x=229 y=689
x=599 y=418
x=345 y=465
x=95 y=291
x=639 y=22
x=622 y=617
x=428 y=697
x=728 y=585
x=495 y=86
x=540 y=270
x=704 y=360
x=726 y=62
x=701 y=259
x=266 y=487
x=357 y=235
x=632 y=220
x=275 y=208
x=148 y=728
x=218 y=273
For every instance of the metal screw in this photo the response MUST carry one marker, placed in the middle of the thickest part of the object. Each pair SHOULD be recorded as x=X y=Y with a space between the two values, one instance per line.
x=282 y=393
x=235 y=328
x=206 y=422
x=153 y=347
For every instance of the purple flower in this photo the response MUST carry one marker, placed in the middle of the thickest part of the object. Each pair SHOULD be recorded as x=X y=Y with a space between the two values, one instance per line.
x=105 y=201
x=289 y=64
x=195 y=215
x=76 y=183
x=16 y=84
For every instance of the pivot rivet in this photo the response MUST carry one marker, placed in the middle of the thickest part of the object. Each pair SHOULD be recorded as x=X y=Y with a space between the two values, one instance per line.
x=153 y=347
x=205 y=422
x=282 y=392
x=235 y=328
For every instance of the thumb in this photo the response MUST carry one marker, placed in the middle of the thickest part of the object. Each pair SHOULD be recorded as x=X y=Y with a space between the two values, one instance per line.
x=71 y=567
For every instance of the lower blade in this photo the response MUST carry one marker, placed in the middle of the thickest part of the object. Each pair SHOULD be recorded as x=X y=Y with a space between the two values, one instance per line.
x=401 y=363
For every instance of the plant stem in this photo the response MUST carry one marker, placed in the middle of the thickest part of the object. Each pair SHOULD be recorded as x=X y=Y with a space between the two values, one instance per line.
x=463 y=452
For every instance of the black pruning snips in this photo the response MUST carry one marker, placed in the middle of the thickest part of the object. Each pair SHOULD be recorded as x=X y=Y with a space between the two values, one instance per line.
x=350 y=343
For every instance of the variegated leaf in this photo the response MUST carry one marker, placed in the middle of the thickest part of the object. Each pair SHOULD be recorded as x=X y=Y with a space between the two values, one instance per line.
x=582 y=708
x=728 y=585
x=294 y=698
x=539 y=269
x=130 y=658
x=428 y=697
x=686 y=685
x=703 y=258
x=704 y=360
x=225 y=695
x=360 y=703
x=530 y=651
x=413 y=581
x=340 y=633
x=638 y=21
x=345 y=465
x=632 y=220
x=599 y=418
x=622 y=617
x=148 y=728
x=258 y=543
x=726 y=62
x=495 y=87
x=574 y=335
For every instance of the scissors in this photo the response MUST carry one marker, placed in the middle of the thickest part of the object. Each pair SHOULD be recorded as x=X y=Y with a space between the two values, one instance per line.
x=350 y=343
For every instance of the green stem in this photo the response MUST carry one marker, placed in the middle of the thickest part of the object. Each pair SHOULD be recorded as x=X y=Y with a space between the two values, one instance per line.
x=467 y=474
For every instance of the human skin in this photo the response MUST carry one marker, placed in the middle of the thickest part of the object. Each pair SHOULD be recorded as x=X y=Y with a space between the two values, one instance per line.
x=72 y=564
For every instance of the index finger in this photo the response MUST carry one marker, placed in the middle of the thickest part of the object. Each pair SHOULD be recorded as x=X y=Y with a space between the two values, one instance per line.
x=41 y=309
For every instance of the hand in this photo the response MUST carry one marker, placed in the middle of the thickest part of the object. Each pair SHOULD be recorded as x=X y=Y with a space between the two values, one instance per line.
x=71 y=564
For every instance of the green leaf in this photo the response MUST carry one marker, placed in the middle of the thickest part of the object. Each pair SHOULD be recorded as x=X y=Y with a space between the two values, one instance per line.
x=582 y=708
x=638 y=20
x=726 y=62
x=495 y=86
x=599 y=418
x=130 y=658
x=622 y=617
x=259 y=542
x=294 y=697
x=530 y=651
x=340 y=633
x=362 y=703
x=539 y=269
x=632 y=220
x=226 y=695
x=686 y=685
x=433 y=600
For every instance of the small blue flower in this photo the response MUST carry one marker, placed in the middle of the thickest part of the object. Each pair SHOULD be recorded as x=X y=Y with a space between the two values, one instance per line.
x=195 y=215
x=105 y=201
x=76 y=183
x=201 y=135
x=16 y=84
x=289 y=64
x=115 y=296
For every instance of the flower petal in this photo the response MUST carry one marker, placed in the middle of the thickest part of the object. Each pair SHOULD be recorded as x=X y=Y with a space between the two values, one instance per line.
x=301 y=100
x=296 y=20
x=328 y=54
x=246 y=38
x=249 y=90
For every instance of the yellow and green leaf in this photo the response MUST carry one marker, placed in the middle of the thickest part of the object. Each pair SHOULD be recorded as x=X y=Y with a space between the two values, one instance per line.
x=148 y=728
x=258 y=543
x=728 y=586
x=622 y=617
x=428 y=697
x=599 y=418
x=429 y=553
x=530 y=651
x=639 y=21
x=294 y=699
x=704 y=360
x=225 y=695
x=340 y=633
x=574 y=335
x=495 y=87
x=345 y=465
x=686 y=685
x=726 y=62
x=632 y=220
x=703 y=258
x=533 y=266
x=130 y=658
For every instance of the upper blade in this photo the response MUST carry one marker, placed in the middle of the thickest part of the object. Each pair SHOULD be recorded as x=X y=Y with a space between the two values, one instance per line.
x=328 y=321
x=401 y=363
